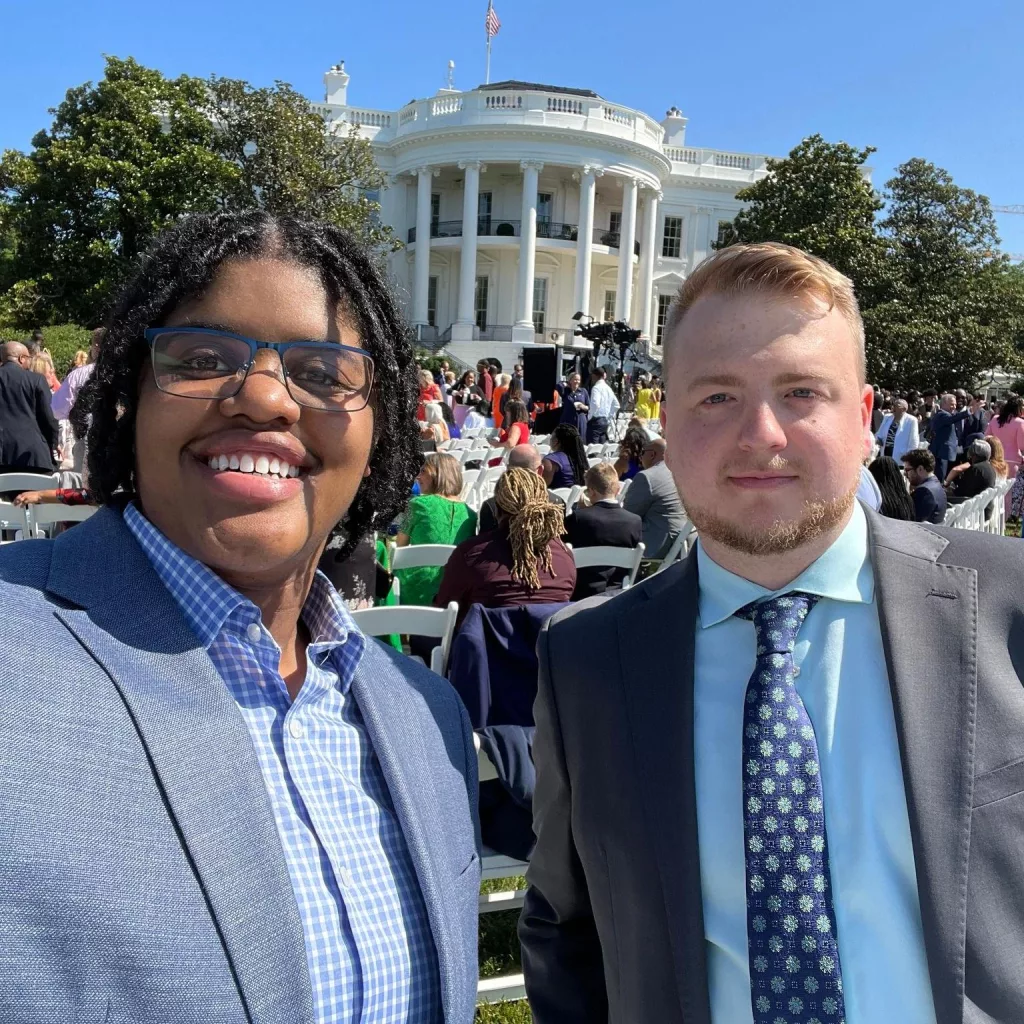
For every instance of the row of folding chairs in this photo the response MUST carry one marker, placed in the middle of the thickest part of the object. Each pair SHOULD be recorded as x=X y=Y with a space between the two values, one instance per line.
x=35 y=520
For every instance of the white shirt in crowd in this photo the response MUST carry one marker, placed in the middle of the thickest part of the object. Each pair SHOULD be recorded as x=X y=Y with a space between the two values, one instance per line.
x=603 y=403
x=906 y=435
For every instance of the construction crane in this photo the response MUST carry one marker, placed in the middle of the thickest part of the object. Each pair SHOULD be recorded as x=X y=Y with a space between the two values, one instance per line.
x=1016 y=257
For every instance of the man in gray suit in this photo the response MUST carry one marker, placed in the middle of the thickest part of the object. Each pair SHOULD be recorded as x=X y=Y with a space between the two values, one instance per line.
x=813 y=809
x=653 y=497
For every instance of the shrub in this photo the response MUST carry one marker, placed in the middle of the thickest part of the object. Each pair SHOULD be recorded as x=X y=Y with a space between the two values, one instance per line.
x=62 y=341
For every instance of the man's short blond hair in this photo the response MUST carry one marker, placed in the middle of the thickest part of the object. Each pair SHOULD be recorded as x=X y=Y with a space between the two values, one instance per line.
x=771 y=269
x=602 y=479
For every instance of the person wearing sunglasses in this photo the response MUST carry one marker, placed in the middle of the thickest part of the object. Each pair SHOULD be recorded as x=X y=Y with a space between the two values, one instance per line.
x=219 y=801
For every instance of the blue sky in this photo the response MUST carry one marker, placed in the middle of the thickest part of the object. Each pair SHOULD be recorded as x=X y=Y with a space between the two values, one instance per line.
x=939 y=80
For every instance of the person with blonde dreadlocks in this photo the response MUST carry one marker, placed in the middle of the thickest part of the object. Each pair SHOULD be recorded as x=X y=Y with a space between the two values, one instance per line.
x=522 y=561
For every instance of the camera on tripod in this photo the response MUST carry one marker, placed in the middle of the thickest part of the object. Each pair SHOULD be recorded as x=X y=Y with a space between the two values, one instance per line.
x=615 y=336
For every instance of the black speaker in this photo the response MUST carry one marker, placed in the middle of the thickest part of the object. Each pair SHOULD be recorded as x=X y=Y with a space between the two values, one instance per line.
x=540 y=372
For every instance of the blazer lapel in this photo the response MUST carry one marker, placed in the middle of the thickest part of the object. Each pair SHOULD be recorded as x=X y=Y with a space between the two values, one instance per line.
x=928 y=614
x=396 y=720
x=200 y=752
x=661 y=715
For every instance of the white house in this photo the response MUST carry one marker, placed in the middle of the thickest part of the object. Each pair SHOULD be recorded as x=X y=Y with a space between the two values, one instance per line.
x=576 y=203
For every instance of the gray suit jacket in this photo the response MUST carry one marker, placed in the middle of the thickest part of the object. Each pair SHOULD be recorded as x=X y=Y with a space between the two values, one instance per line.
x=653 y=497
x=142 y=880
x=612 y=929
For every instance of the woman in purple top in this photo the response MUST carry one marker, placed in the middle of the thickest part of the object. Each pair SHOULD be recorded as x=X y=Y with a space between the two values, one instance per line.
x=566 y=463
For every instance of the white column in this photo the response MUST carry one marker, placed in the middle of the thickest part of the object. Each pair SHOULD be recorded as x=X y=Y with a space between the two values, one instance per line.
x=627 y=239
x=462 y=330
x=647 y=261
x=704 y=235
x=421 y=264
x=527 y=251
x=584 y=236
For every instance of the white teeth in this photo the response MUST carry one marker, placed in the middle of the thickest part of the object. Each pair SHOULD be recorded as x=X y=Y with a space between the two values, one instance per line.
x=262 y=464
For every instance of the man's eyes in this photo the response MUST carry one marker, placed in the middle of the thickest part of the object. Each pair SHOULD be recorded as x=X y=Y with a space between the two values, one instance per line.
x=717 y=399
x=721 y=397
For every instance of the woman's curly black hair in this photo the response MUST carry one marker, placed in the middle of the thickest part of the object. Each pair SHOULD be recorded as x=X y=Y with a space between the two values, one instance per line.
x=569 y=441
x=180 y=265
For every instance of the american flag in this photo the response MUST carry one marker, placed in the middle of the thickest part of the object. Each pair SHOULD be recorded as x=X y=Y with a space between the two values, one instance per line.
x=492 y=23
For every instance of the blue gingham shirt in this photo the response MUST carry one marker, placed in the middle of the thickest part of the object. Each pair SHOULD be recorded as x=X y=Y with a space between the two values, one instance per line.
x=369 y=948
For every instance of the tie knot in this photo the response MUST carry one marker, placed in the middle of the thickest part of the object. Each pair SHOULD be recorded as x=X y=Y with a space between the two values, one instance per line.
x=777 y=621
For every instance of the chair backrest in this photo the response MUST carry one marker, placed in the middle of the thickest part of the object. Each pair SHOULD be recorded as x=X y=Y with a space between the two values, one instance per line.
x=623 y=487
x=411 y=620
x=603 y=555
x=575 y=493
x=47 y=515
x=685 y=539
x=27 y=482
x=563 y=493
x=469 y=479
x=12 y=517
x=413 y=556
x=486 y=483
x=595 y=449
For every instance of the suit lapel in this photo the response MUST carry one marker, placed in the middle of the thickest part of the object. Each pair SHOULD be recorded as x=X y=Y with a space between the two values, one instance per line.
x=928 y=614
x=394 y=716
x=661 y=715
x=201 y=755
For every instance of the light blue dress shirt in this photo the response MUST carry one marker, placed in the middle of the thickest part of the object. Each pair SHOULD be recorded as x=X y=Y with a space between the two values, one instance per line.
x=369 y=946
x=843 y=682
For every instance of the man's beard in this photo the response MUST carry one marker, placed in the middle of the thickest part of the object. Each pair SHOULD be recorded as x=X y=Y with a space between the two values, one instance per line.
x=818 y=518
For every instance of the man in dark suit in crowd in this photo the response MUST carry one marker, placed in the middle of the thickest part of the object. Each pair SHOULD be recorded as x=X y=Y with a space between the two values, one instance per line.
x=28 y=430
x=976 y=424
x=944 y=441
x=782 y=780
x=603 y=524
x=524 y=456
x=929 y=495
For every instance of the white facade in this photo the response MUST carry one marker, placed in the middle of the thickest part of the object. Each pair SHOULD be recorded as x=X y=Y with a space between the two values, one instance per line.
x=561 y=185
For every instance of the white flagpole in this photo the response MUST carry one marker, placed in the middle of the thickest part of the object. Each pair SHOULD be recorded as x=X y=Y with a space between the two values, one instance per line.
x=487 y=29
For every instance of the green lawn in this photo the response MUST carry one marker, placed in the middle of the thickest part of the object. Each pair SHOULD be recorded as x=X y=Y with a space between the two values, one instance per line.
x=499 y=954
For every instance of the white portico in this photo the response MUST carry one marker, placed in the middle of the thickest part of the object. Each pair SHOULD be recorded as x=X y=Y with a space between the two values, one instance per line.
x=520 y=204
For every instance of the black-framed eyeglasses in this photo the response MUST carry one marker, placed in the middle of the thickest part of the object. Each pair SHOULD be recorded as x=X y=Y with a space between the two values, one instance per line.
x=200 y=362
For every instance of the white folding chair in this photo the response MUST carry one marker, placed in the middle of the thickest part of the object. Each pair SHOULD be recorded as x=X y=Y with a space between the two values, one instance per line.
x=595 y=460
x=13 y=519
x=685 y=539
x=415 y=556
x=604 y=555
x=485 y=485
x=40 y=516
x=575 y=493
x=563 y=493
x=544 y=449
x=623 y=487
x=539 y=439
x=595 y=449
x=469 y=479
x=412 y=620
x=27 y=482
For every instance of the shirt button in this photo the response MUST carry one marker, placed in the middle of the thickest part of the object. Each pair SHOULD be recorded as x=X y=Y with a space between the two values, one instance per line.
x=796 y=671
x=295 y=728
x=252 y=631
x=344 y=878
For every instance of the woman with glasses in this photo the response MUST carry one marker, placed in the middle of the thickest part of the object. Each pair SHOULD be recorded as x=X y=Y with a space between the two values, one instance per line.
x=244 y=807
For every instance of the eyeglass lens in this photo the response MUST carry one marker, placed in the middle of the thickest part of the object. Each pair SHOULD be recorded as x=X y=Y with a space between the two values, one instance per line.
x=215 y=366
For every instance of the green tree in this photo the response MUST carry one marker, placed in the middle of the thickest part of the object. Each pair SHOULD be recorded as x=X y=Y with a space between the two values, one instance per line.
x=953 y=306
x=127 y=156
x=818 y=199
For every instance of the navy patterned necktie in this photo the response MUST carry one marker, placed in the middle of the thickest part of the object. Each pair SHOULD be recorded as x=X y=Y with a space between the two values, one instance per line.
x=795 y=976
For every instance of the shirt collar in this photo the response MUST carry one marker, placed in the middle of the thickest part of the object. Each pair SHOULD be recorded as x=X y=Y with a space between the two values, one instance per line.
x=842 y=573
x=207 y=602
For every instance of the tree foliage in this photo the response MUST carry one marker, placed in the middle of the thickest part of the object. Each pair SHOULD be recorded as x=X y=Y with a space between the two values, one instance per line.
x=127 y=156
x=941 y=305
x=818 y=199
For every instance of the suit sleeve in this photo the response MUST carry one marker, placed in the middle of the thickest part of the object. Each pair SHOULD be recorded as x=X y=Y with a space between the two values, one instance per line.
x=44 y=414
x=561 y=952
x=639 y=497
x=924 y=504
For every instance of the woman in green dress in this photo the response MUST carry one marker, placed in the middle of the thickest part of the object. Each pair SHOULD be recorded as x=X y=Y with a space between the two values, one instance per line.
x=436 y=516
